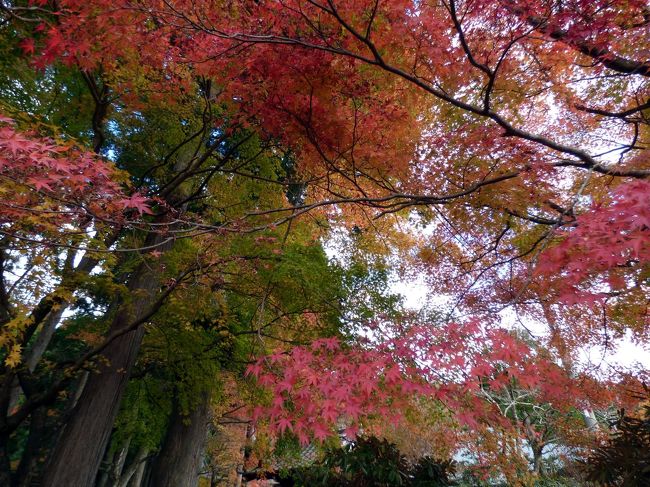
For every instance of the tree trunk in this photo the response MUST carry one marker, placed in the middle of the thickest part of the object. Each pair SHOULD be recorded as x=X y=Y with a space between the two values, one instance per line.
x=138 y=476
x=135 y=466
x=78 y=455
x=105 y=468
x=179 y=460
x=146 y=478
x=31 y=463
x=115 y=469
x=44 y=337
x=538 y=456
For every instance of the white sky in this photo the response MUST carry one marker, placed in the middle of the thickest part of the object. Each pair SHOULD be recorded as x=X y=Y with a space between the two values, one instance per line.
x=626 y=353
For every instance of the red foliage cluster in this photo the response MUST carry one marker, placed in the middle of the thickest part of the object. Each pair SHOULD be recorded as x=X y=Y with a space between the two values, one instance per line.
x=48 y=185
x=606 y=251
x=328 y=384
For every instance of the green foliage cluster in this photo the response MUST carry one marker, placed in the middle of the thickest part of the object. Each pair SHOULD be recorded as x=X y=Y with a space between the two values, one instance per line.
x=371 y=462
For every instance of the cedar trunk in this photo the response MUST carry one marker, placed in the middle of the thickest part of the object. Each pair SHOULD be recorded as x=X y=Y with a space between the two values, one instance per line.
x=179 y=460
x=77 y=457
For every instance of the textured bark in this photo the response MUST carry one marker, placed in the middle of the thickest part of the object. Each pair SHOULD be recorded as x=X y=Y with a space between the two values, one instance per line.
x=102 y=480
x=146 y=478
x=135 y=466
x=138 y=476
x=29 y=467
x=44 y=337
x=179 y=460
x=78 y=455
x=118 y=463
x=36 y=352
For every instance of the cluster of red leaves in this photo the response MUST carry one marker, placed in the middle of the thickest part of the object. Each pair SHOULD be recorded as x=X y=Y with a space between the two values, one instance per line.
x=46 y=186
x=598 y=21
x=608 y=247
x=326 y=109
x=329 y=108
x=317 y=388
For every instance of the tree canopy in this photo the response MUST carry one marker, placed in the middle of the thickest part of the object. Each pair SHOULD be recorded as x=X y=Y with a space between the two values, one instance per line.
x=205 y=207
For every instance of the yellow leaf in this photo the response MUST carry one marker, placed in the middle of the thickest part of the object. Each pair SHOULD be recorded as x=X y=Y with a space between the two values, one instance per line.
x=13 y=359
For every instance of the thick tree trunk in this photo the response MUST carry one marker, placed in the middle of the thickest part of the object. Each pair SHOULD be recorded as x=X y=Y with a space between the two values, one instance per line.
x=78 y=455
x=179 y=461
x=30 y=467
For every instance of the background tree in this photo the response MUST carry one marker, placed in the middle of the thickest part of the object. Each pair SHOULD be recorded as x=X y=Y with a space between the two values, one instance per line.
x=623 y=458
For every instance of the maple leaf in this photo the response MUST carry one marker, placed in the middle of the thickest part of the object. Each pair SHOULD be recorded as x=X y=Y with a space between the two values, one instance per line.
x=303 y=438
x=139 y=202
x=254 y=369
x=16 y=144
x=467 y=419
x=331 y=343
x=28 y=46
x=352 y=409
x=367 y=385
x=14 y=357
x=321 y=432
x=393 y=374
x=285 y=385
x=41 y=183
x=283 y=424
x=351 y=432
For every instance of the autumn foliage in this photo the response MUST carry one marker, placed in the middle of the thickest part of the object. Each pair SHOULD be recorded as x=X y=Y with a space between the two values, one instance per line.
x=55 y=184
x=325 y=384
x=494 y=151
